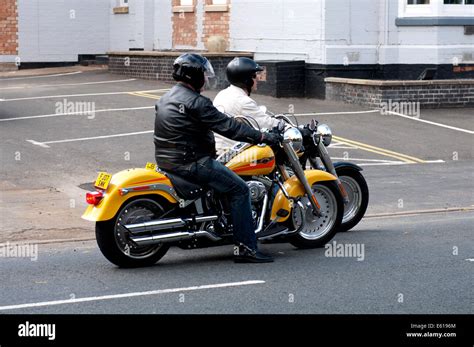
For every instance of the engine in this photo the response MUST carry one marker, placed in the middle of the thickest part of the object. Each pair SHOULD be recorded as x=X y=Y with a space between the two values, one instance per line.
x=257 y=191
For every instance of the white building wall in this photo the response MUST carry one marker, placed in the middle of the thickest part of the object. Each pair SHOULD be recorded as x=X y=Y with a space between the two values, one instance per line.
x=317 y=31
x=282 y=30
x=424 y=45
x=341 y=32
x=55 y=30
x=127 y=29
x=352 y=31
x=163 y=27
x=147 y=26
x=364 y=32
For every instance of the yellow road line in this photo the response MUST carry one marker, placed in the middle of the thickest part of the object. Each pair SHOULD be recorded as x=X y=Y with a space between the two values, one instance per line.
x=153 y=90
x=382 y=151
x=144 y=95
x=152 y=96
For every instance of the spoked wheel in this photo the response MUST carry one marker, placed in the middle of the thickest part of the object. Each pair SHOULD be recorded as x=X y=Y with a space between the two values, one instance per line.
x=358 y=195
x=114 y=240
x=317 y=231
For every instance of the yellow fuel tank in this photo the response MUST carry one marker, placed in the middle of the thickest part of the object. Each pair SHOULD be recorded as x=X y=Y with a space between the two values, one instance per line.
x=254 y=161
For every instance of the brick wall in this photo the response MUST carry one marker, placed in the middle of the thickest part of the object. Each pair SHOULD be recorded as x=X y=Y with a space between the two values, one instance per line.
x=8 y=28
x=216 y=23
x=159 y=65
x=430 y=94
x=282 y=79
x=184 y=25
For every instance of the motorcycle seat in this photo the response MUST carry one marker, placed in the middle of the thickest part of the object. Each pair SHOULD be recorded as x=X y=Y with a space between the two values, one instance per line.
x=185 y=189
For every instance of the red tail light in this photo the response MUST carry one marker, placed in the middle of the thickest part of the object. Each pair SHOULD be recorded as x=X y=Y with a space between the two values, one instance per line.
x=93 y=198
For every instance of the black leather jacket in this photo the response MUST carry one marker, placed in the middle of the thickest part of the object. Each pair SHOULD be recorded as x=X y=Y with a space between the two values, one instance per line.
x=184 y=125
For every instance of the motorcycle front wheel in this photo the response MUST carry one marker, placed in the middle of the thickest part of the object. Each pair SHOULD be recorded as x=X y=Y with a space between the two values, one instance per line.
x=114 y=240
x=317 y=231
x=358 y=193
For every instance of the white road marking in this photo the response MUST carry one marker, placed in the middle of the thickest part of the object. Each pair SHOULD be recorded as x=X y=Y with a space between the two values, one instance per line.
x=30 y=77
x=418 y=212
x=330 y=113
x=397 y=163
x=76 y=95
x=382 y=164
x=73 y=113
x=42 y=144
x=71 y=84
x=12 y=88
x=470 y=259
x=388 y=161
x=341 y=145
x=439 y=161
x=432 y=123
x=129 y=295
x=38 y=143
x=373 y=160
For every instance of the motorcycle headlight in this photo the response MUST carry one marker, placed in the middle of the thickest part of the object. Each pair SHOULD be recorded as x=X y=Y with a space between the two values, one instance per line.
x=294 y=136
x=326 y=134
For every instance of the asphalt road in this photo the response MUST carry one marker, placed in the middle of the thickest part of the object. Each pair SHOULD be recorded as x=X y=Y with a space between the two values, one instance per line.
x=408 y=266
x=410 y=165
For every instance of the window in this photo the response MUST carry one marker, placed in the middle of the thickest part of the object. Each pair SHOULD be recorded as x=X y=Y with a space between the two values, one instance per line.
x=436 y=8
x=459 y=2
x=183 y=6
x=216 y=6
x=459 y=8
x=416 y=8
x=418 y=2
x=121 y=7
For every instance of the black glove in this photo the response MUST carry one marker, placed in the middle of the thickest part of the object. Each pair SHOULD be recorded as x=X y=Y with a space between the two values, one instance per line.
x=306 y=132
x=271 y=138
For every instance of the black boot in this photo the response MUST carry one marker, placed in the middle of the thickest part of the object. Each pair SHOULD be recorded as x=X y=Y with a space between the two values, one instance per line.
x=243 y=254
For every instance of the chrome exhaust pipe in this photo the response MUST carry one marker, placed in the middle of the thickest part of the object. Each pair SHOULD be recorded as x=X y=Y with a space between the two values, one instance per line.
x=166 y=224
x=172 y=237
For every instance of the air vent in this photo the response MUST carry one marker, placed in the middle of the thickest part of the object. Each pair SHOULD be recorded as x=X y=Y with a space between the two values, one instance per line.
x=469 y=30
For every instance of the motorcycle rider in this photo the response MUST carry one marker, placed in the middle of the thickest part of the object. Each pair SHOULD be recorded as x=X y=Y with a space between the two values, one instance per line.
x=185 y=145
x=235 y=100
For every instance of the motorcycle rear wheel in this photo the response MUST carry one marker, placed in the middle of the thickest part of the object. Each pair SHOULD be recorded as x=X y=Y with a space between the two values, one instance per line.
x=114 y=240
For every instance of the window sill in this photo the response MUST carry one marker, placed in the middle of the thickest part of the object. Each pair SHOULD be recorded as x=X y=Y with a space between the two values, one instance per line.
x=121 y=10
x=216 y=8
x=180 y=9
x=434 y=21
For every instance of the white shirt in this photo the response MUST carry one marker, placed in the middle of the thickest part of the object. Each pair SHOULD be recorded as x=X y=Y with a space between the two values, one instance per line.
x=234 y=101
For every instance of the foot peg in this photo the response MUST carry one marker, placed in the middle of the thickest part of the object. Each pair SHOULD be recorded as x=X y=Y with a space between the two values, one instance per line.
x=272 y=231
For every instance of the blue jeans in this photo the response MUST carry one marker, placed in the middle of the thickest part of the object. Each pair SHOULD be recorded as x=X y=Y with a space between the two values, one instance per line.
x=209 y=172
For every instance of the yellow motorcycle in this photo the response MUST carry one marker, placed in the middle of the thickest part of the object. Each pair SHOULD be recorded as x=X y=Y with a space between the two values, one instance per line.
x=139 y=213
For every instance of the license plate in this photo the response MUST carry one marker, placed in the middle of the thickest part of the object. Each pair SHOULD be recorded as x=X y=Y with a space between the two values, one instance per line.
x=102 y=181
x=151 y=166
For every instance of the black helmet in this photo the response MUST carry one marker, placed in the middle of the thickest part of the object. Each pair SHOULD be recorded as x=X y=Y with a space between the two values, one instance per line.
x=192 y=68
x=241 y=71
